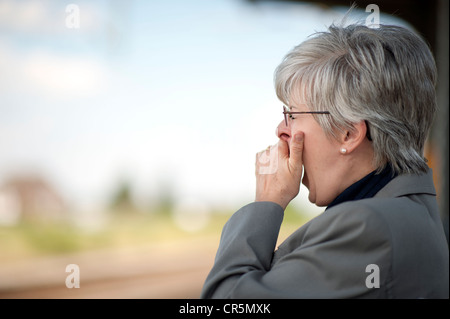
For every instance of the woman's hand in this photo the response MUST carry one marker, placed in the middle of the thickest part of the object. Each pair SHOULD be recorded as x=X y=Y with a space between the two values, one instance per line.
x=279 y=171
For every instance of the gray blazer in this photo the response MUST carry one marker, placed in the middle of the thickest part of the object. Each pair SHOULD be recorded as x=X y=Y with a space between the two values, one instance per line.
x=389 y=246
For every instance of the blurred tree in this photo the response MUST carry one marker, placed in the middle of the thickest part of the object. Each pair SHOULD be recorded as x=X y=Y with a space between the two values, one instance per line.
x=166 y=196
x=122 y=199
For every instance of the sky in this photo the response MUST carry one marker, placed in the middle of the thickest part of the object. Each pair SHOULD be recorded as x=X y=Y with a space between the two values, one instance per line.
x=158 y=94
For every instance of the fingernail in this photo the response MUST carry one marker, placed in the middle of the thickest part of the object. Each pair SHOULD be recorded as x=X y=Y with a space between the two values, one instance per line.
x=298 y=138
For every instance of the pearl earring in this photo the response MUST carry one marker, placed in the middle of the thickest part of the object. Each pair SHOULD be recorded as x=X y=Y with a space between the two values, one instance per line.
x=343 y=150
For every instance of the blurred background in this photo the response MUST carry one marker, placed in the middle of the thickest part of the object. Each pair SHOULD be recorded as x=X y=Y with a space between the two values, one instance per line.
x=128 y=133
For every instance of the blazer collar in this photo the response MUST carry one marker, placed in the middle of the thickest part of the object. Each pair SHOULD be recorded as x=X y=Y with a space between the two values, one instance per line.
x=409 y=184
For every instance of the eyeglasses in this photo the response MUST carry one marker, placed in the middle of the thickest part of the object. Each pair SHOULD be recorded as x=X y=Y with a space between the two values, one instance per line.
x=287 y=113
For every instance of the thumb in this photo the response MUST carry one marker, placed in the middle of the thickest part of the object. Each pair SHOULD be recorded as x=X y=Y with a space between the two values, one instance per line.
x=296 y=152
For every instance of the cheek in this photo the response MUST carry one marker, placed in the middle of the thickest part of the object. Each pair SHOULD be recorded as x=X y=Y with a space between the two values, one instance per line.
x=317 y=149
x=317 y=152
x=310 y=151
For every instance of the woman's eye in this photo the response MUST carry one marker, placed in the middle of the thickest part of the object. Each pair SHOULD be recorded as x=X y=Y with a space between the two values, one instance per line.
x=291 y=117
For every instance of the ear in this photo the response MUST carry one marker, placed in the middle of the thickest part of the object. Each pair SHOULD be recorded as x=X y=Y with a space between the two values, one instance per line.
x=351 y=139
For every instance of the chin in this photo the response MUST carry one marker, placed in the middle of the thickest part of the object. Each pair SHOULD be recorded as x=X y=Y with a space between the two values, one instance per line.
x=311 y=199
x=321 y=204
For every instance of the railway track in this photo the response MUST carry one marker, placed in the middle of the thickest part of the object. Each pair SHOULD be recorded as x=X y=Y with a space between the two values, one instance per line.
x=158 y=271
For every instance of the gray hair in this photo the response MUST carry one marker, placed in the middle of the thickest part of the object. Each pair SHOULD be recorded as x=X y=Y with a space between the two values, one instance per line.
x=385 y=76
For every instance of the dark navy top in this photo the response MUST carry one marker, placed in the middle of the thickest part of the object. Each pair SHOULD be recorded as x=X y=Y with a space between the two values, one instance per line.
x=366 y=187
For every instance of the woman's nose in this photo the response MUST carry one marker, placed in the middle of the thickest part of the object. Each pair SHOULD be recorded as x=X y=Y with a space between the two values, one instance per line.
x=283 y=132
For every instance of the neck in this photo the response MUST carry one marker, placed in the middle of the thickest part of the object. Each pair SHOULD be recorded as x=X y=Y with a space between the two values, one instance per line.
x=358 y=164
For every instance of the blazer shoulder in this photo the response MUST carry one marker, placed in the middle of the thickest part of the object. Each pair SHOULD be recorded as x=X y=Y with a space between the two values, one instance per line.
x=378 y=215
x=357 y=211
x=361 y=221
x=356 y=218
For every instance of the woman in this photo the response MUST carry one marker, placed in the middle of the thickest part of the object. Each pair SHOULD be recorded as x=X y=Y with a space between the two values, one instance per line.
x=359 y=104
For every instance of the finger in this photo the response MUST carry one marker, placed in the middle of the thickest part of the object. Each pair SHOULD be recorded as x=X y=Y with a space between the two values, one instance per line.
x=296 y=152
x=283 y=149
x=267 y=161
x=257 y=163
x=262 y=160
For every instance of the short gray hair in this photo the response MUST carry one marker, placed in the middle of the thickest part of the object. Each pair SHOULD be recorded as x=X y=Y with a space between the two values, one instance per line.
x=385 y=76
